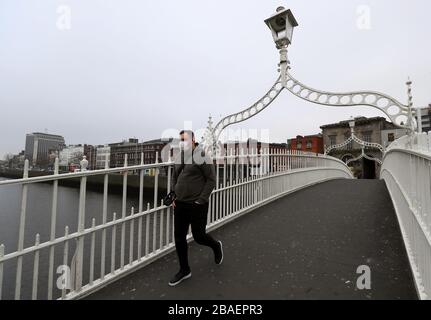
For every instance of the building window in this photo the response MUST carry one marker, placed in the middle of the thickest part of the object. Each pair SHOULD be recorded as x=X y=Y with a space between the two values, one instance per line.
x=366 y=136
x=299 y=146
x=332 y=140
x=391 y=137
x=309 y=144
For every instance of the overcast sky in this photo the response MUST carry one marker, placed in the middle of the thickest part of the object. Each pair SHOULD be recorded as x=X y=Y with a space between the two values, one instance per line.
x=135 y=68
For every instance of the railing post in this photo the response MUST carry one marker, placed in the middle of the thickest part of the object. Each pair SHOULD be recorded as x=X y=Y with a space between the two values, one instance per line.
x=141 y=207
x=80 y=240
x=113 y=242
x=169 y=209
x=35 y=269
x=65 y=263
x=156 y=182
x=21 y=232
x=1 y=268
x=92 y=249
x=104 y=220
x=53 y=226
x=123 y=213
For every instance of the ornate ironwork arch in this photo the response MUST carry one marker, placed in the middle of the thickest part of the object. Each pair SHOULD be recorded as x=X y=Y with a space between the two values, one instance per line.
x=251 y=111
x=362 y=143
x=397 y=112
x=364 y=155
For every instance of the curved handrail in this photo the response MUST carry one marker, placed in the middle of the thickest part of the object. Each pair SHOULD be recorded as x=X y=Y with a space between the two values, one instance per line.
x=406 y=170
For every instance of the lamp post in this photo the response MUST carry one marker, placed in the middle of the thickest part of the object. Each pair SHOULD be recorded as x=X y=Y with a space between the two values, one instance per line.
x=352 y=125
x=282 y=24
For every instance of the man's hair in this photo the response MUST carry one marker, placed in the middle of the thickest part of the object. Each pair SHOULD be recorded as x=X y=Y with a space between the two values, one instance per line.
x=189 y=133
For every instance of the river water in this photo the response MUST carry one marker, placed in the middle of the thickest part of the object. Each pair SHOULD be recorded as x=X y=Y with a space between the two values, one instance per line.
x=38 y=219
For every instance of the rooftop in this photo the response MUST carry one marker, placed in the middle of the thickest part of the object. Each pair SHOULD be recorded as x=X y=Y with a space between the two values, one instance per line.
x=358 y=122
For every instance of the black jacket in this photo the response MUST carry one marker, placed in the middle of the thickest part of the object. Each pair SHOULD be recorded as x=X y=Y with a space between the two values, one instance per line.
x=197 y=179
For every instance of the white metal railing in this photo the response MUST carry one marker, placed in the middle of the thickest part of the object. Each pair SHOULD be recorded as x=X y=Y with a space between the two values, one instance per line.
x=245 y=181
x=407 y=171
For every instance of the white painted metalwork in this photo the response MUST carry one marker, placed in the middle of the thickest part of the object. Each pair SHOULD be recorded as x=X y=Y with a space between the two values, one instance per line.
x=282 y=24
x=236 y=195
x=397 y=112
x=247 y=113
x=362 y=143
x=407 y=171
x=363 y=155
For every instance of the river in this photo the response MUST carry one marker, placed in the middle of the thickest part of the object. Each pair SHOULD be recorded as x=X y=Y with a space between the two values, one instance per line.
x=38 y=219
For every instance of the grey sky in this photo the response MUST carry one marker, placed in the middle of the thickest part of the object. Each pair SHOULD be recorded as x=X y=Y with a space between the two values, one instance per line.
x=134 y=68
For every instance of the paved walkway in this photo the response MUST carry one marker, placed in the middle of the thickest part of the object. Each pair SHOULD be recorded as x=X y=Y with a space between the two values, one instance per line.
x=307 y=245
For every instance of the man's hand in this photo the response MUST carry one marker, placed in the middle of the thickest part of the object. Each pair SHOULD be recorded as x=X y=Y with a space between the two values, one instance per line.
x=173 y=203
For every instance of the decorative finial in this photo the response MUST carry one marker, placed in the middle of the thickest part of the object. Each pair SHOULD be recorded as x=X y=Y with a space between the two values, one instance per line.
x=84 y=163
x=410 y=105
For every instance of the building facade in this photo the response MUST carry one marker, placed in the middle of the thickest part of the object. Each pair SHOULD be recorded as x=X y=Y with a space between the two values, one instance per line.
x=39 y=145
x=426 y=118
x=313 y=143
x=375 y=130
x=71 y=156
x=390 y=135
x=138 y=152
x=103 y=154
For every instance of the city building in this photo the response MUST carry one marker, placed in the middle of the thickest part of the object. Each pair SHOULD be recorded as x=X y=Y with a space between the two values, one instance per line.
x=152 y=146
x=135 y=150
x=38 y=146
x=313 y=143
x=254 y=149
x=390 y=135
x=375 y=130
x=132 y=148
x=71 y=156
x=14 y=161
x=426 y=118
x=103 y=153
x=236 y=147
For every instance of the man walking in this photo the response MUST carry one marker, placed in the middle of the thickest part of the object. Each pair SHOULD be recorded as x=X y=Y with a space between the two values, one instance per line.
x=193 y=181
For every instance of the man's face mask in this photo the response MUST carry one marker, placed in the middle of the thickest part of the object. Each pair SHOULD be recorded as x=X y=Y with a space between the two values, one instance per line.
x=185 y=145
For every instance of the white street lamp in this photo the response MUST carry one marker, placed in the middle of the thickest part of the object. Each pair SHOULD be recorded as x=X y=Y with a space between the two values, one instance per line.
x=281 y=25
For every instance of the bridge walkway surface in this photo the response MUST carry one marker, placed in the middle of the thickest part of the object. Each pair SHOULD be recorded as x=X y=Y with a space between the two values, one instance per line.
x=307 y=245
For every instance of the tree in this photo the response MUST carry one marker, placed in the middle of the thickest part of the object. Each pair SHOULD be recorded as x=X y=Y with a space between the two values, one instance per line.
x=8 y=157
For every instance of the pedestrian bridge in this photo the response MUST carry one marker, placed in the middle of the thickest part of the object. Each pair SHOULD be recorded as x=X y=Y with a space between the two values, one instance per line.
x=306 y=245
x=294 y=226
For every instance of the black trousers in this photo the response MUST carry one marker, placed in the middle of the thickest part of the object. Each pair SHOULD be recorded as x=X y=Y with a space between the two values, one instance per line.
x=186 y=214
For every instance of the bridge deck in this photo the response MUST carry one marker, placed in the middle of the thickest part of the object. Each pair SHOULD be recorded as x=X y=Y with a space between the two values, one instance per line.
x=307 y=245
